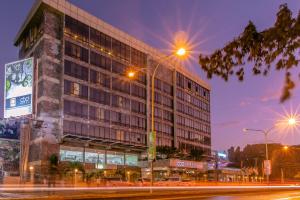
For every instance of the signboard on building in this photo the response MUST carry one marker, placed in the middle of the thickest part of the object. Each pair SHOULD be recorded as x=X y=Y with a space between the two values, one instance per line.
x=267 y=167
x=18 y=88
x=152 y=146
x=9 y=130
x=188 y=164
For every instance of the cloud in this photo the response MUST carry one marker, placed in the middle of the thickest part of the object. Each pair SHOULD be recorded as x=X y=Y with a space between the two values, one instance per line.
x=228 y=124
x=246 y=102
x=270 y=96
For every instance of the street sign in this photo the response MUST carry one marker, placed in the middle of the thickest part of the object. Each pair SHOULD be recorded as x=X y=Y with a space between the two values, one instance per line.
x=267 y=167
x=152 y=146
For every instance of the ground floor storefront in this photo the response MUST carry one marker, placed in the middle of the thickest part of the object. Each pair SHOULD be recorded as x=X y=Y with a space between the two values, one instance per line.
x=175 y=170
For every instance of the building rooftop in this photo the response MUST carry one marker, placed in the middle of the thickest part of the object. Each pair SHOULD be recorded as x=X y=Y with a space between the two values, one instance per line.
x=77 y=13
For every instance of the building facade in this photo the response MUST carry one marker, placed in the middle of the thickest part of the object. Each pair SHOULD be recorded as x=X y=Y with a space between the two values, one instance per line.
x=90 y=110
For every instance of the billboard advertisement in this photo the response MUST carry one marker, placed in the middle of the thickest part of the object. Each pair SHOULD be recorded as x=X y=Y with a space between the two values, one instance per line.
x=18 y=88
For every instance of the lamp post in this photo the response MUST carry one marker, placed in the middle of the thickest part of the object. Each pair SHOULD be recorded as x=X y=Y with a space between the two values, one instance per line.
x=266 y=133
x=181 y=52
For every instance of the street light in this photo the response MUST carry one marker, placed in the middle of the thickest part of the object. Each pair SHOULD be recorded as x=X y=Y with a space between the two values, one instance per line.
x=180 y=52
x=291 y=121
x=266 y=133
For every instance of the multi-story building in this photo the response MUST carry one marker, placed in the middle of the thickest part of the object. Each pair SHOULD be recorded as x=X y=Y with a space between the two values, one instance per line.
x=91 y=111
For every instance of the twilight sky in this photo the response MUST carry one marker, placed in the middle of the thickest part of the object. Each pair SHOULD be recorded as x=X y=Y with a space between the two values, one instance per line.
x=211 y=23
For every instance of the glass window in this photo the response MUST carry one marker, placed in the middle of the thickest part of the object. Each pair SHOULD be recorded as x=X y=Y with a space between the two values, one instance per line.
x=131 y=160
x=76 y=71
x=76 y=51
x=76 y=29
x=115 y=158
x=73 y=156
x=94 y=157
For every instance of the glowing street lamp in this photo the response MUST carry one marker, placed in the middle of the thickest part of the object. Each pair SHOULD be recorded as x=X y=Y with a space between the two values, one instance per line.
x=131 y=74
x=181 y=52
x=285 y=148
x=292 y=121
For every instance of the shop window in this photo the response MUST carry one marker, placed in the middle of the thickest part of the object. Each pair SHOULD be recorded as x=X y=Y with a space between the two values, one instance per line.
x=115 y=158
x=72 y=156
x=131 y=160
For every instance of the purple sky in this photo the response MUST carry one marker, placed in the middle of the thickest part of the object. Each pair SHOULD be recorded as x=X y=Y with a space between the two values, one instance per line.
x=253 y=103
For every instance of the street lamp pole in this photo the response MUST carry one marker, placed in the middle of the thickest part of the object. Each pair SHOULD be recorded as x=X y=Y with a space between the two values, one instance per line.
x=180 y=53
x=152 y=115
x=266 y=133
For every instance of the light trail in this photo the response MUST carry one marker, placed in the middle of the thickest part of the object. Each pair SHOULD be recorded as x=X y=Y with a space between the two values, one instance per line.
x=146 y=188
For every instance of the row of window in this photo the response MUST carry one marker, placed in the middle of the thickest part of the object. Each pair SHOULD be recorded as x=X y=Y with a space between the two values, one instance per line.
x=162 y=99
x=100 y=158
x=192 y=86
x=163 y=86
x=97 y=60
x=184 y=96
x=102 y=97
x=193 y=124
x=163 y=128
x=192 y=136
x=103 y=42
x=165 y=114
x=123 y=119
x=188 y=110
x=81 y=129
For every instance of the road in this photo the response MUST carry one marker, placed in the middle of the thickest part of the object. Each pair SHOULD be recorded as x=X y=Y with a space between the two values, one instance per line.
x=163 y=193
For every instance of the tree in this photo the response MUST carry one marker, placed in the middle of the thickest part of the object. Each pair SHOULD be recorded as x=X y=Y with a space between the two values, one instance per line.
x=196 y=154
x=166 y=151
x=278 y=44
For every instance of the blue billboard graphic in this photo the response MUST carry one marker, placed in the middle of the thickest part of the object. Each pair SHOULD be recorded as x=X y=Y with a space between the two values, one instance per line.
x=18 y=88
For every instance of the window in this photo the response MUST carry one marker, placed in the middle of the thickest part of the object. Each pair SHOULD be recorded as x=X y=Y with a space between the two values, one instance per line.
x=100 y=40
x=121 y=102
x=138 y=58
x=180 y=80
x=76 y=29
x=76 y=51
x=157 y=112
x=75 y=109
x=118 y=68
x=120 y=118
x=120 y=85
x=167 y=101
x=138 y=107
x=131 y=160
x=99 y=114
x=138 y=91
x=76 y=71
x=138 y=122
x=100 y=61
x=100 y=78
x=167 y=88
x=157 y=83
x=115 y=158
x=99 y=96
x=73 y=156
x=75 y=89
x=157 y=97
x=167 y=115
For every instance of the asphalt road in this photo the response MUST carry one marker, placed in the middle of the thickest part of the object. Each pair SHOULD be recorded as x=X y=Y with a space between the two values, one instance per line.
x=164 y=193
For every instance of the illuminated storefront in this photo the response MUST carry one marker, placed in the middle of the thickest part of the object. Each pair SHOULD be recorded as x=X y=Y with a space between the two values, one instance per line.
x=99 y=158
x=175 y=168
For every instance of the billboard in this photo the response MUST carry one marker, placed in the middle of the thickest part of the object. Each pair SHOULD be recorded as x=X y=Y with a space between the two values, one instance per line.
x=18 y=88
